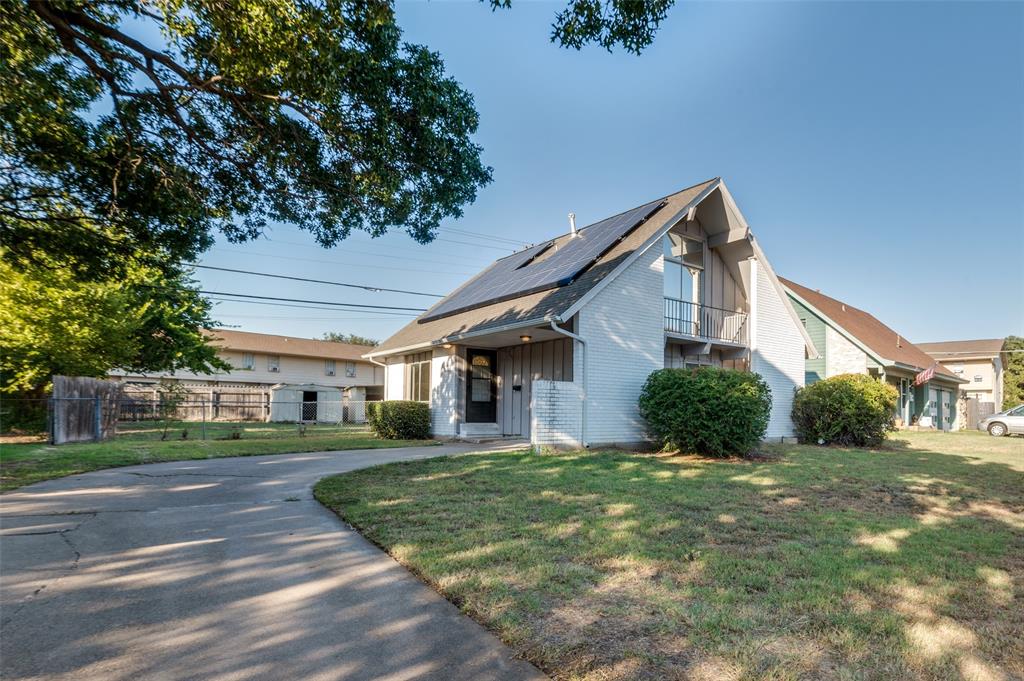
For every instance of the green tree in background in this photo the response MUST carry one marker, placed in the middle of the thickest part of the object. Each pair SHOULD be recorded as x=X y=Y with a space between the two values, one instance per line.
x=352 y=338
x=53 y=323
x=1013 y=372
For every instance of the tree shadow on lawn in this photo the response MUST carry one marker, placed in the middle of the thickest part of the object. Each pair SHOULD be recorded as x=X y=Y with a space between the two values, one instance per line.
x=823 y=562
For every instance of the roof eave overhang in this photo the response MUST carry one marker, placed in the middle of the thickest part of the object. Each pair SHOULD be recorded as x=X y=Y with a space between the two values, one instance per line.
x=459 y=337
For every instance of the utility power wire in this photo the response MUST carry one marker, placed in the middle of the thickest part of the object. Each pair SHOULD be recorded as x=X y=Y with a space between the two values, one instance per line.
x=336 y=263
x=313 y=307
x=374 y=289
x=312 y=302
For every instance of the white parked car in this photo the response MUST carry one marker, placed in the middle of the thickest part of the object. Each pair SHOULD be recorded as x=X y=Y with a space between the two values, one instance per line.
x=1005 y=422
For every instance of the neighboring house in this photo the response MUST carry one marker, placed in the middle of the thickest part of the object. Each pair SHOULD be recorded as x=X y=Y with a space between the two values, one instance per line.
x=851 y=341
x=980 y=363
x=265 y=362
x=556 y=341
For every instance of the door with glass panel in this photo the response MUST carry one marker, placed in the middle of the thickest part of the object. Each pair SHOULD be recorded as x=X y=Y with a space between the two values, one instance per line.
x=481 y=393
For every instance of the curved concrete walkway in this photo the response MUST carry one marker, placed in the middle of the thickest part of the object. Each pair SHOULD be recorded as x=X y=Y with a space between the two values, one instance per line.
x=220 y=569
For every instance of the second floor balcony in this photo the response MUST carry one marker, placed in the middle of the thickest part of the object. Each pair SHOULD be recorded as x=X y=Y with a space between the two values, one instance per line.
x=706 y=323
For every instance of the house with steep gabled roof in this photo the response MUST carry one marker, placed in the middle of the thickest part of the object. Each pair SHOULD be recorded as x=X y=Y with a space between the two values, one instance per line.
x=850 y=340
x=554 y=342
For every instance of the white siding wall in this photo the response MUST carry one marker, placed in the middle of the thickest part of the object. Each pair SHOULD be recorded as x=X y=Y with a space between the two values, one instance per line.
x=842 y=356
x=444 y=392
x=624 y=329
x=394 y=381
x=777 y=350
x=555 y=414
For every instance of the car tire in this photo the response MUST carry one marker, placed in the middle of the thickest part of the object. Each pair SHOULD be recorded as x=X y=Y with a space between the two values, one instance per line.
x=997 y=430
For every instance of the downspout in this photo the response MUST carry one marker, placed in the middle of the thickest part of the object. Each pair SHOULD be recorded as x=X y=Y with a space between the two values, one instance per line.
x=583 y=380
x=385 y=366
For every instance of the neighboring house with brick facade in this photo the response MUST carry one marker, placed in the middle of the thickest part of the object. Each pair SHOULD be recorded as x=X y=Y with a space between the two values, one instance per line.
x=980 y=363
x=555 y=342
x=852 y=341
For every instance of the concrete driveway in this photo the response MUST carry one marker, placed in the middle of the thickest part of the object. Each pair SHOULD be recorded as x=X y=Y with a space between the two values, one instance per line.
x=216 y=570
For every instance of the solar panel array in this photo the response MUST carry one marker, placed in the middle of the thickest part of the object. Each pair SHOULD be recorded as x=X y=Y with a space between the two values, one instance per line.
x=518 y=274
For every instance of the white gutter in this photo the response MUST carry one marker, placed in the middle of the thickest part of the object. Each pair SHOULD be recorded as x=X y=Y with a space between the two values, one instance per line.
x=583 y=379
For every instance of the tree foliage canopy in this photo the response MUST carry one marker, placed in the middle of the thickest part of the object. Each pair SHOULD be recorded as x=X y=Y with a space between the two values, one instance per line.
x=354 y=339
x=1013 y=372
x=53 y=323
x=298 y=111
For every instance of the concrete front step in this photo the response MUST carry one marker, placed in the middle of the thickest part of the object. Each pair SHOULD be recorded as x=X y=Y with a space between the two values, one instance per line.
x=477 y=430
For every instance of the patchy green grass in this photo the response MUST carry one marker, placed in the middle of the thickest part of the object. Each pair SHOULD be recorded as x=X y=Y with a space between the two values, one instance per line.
x=903 y=563
x=23 y=464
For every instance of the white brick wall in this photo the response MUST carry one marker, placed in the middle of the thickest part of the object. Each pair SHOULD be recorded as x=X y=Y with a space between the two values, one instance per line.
x=777 y=351
x=624 y=329
x=842 y=356
x=555 y=412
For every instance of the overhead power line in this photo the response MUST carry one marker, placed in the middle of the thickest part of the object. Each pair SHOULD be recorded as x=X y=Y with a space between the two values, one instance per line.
x=313 y=302
x=336 y=263
x=381 y=313
x=375 y=289
x=481 y=235
x=505 y=249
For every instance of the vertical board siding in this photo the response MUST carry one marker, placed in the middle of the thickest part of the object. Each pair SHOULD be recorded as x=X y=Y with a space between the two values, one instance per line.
x=522 y=365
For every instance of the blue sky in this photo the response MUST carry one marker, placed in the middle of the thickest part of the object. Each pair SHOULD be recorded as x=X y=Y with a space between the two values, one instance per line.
x=876 y=148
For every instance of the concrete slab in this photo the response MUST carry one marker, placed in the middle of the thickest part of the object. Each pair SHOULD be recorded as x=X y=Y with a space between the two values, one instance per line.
x=220 y=569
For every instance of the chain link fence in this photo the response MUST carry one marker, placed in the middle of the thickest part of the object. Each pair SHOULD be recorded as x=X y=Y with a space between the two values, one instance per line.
x=133 y=417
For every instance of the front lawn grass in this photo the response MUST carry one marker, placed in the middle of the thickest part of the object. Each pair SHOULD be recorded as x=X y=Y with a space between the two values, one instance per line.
x=902 y=563
x=23 y=464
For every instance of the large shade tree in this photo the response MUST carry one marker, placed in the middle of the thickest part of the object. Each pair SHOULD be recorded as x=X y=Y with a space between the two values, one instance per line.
x=134 y=131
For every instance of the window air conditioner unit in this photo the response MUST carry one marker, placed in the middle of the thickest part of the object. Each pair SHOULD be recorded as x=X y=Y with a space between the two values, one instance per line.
x=330 y=372
x=274 y=369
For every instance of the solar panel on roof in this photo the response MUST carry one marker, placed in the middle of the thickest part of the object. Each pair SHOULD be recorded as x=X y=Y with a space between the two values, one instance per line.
x=536 y=269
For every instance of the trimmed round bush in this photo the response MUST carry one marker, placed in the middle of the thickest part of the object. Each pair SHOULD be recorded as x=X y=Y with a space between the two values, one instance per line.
x=399 y=419
x=852 y=410
x=709 y=411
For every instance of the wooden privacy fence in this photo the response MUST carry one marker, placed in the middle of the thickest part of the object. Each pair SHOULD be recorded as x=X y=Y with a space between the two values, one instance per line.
x=83 y=409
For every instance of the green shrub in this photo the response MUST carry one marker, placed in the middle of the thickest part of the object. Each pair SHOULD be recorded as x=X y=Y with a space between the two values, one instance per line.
x=710 y=411
x=852 y=410
x=399 y=419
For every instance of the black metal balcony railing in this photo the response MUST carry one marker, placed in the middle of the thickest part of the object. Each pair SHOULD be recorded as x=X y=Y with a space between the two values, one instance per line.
x=705 y=322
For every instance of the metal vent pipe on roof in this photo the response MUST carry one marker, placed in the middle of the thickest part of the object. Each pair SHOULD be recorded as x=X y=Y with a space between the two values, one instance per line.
x=572 y=224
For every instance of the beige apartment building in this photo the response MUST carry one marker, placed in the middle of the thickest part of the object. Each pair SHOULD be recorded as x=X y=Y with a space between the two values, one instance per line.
x=979 y=362
x=270 y=363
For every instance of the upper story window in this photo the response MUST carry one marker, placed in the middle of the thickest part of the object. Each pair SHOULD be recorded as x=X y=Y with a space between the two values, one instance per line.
x=417 y=377
x=329 y=368
x=274 y=363
x=684 y=268
x=350 y=369
x=977 y=378
x=248 y=361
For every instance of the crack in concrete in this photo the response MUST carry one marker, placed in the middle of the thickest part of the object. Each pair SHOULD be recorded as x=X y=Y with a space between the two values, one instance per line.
x=77 y=557
x=198 y=475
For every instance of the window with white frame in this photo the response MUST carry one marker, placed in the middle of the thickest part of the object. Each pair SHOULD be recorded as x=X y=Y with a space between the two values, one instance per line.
x=684 y=268
x=329 y=368
x=978 y=378
x=274 y=363
x=350 y=369
x=248 y=361
x=417 y=377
